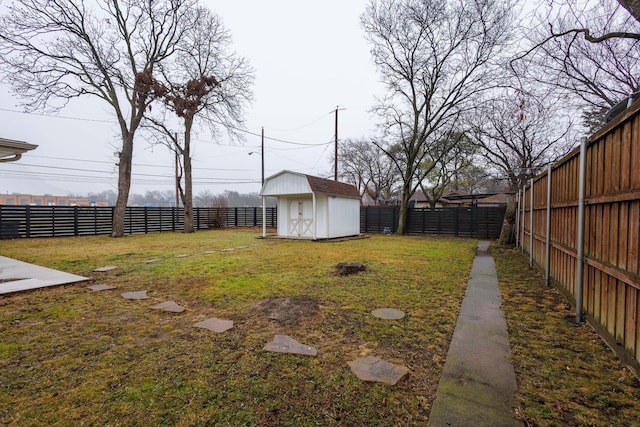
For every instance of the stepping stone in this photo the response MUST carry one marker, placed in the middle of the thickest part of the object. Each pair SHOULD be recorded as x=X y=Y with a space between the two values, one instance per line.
x=285 y=344
x=215 y=325
x=388 y=313
x=135 y=295
x=105 y=268
x=228 y=250
x=210 y=252
x=101 y=287
x=371 y=368
x=168 y=306
x=151 y=261
x=183 y=255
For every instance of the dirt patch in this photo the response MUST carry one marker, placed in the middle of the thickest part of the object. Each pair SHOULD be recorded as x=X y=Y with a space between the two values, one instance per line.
x=349 y=268
x=288 y=308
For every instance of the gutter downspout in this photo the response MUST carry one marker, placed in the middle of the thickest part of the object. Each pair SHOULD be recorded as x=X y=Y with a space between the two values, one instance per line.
x=580 y=248
x=531 y=225
x=547 y=262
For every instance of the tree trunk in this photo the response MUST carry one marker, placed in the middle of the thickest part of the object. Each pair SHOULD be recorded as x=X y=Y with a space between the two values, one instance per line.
x=404 y=209
x=506 y=234
x=124 y=185
x=187 y=200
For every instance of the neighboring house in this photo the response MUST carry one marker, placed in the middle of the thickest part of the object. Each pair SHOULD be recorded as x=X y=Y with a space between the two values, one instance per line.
x=46 y=200
x=452 y=198
x=313 y=208
x=11 y=150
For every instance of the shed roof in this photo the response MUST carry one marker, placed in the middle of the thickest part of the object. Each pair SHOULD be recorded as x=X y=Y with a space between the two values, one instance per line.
x=316 y=185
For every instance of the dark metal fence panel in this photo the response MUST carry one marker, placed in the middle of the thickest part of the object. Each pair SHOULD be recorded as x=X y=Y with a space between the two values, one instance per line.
x=58 y=221
x=477 y=222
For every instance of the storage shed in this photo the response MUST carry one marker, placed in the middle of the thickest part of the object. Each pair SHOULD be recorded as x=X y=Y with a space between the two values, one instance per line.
x=312 y=208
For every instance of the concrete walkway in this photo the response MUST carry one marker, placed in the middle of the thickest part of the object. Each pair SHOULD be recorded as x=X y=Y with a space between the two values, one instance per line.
x=478 y=382
x=17 y=276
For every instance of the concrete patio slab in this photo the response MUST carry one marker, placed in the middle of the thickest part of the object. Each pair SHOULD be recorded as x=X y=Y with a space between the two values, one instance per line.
x=18 y=276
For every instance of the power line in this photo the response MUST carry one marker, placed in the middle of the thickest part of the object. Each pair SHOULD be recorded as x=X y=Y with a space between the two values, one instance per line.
x=135 y=164
x=111 y=122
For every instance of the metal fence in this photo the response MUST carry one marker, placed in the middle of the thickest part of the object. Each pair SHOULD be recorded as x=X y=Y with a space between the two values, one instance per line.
x=59 y=221
x=587 y=237
x=477 y=222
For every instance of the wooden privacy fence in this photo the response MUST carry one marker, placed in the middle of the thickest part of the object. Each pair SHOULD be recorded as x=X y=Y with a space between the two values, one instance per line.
x=586 y=234
x=59 y=221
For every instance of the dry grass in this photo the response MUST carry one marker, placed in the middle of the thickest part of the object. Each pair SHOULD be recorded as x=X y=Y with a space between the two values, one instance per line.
x=566 y=374
x=74 y=356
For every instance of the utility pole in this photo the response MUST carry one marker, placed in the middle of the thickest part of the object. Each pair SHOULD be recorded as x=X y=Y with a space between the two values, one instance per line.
x=335 y=154
x=177 y=176
x=262 y=154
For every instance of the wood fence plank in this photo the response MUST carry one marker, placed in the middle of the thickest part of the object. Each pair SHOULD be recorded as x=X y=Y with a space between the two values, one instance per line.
x=634 y=237
x=621 y=309
x=611 y=306
x=625 y=157
x=635 y=154
x=612 y=232
x=623 y=236
x=631 y=324
x=606 y=163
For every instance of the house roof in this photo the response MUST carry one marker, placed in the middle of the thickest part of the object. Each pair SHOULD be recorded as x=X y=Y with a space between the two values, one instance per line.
x=11 y=150
x=496 y=198
x=288 y=182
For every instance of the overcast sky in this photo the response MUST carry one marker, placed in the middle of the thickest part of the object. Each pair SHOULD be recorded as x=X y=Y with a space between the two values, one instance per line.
x=309 y=58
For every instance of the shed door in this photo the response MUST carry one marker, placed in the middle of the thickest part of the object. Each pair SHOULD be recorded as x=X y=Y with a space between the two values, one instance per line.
x=301 y=212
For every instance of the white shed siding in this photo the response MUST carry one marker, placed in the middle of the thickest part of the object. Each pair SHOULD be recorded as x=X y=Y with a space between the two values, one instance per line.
x=322 y=225
x=344 y=217
x=286 y=184
x=313 y=208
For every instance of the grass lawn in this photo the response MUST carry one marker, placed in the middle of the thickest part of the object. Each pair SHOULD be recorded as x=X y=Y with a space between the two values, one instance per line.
x=73 y=356
x=566 y=374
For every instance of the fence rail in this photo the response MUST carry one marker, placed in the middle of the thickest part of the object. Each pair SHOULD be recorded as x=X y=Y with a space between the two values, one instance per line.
x=60 y=221
x=601 y=276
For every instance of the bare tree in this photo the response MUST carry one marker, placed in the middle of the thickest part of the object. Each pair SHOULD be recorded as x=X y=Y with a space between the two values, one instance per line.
x=519 y=133
x=57 y=50
x=593 y=72
x=434 y=57
x=368 y=168
x=447 y=168
x=206 y=83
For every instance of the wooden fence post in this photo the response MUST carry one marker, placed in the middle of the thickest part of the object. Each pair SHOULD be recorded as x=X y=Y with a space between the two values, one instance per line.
x=547 y=260
x=531 y=224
